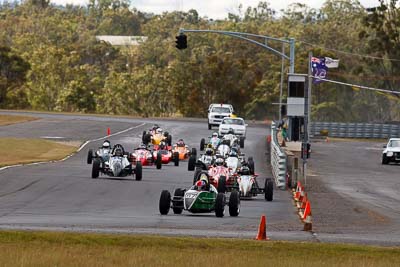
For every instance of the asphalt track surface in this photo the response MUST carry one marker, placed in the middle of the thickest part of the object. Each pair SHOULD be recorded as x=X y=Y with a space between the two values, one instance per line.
x=354 y=198
x=63 y=196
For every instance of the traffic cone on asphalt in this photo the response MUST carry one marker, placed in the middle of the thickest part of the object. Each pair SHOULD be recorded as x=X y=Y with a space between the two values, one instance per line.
x=262 y=231
x=108 y=131
x=306 y=217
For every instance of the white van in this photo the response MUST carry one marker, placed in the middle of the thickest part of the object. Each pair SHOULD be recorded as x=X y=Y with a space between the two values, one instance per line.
x=216 y=112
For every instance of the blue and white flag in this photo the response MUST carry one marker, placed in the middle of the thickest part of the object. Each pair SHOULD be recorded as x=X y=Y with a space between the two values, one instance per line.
x=319 y=69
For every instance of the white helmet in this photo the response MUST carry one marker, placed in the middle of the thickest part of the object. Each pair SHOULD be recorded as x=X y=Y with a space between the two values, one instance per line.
x=106 y=144
x=215 y=134
x=159 y=130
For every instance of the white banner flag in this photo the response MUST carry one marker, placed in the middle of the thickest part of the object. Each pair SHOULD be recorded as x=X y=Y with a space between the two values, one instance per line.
x=331 y=63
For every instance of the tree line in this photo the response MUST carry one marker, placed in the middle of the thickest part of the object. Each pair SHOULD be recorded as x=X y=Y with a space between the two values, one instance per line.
x=50 y=59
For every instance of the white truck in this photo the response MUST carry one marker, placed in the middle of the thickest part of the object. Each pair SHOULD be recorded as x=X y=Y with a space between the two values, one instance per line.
x=216 y=112
x=392 y=151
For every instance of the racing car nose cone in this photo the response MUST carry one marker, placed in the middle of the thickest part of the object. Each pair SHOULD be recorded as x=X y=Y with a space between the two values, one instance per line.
x=117 y=168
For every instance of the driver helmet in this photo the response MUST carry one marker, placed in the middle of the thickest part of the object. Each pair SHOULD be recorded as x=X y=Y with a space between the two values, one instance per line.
x=219 y=161
x=245 y=170
x=118 y=152
x=215 y=135
x=106 y=144
x=143 y=146
x=201 y=184
x=233 y=153
x=162 y=145
x=180 y=142
x=155 y=127
x=231 y=131
x=159 y=131
x=209 y=151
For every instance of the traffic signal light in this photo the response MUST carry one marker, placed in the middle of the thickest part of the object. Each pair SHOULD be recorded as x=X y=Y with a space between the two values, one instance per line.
x=181 y=41
x=308 y=151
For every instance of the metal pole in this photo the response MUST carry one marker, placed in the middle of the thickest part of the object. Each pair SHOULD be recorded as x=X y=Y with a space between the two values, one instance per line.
x=292 y=41
x=305 y=135
x=309 y=101
x=281 y=87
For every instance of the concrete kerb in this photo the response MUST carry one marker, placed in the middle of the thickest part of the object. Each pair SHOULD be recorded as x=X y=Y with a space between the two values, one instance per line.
x=77 y=151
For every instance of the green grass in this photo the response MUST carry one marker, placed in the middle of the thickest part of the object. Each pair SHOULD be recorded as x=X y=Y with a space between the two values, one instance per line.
x=24 y=150
x=73 y=249
x=11 y=119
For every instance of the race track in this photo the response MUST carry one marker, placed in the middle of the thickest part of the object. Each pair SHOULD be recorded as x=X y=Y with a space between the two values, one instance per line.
x=63 y=196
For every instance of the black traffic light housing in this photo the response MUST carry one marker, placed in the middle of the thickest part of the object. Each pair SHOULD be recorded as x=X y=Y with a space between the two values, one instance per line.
x=181 y=41
x=308 y=151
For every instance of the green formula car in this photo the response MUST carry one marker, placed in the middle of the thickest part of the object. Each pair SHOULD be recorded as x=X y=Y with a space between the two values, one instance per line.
x=200 y=199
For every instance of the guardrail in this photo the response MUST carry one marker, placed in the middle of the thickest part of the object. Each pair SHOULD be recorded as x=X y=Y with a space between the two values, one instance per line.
x=356 y=130
x=278 y=159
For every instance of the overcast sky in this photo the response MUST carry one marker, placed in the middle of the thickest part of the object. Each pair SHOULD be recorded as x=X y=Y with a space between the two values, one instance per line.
x=216 y=9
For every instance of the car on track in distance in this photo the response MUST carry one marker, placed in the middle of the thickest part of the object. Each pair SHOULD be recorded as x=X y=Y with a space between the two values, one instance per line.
x=237 y=125
x=102 y=153
x=202 y=197
x=217 y=112
x=391 y=152
x=144 y=155
x=118 y=165
x=166 y=153
x=246 y=183
x=155 y=135
x=183 y=150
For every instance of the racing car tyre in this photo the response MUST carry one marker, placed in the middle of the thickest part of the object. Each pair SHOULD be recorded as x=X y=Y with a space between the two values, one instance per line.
x=138 y=171
x=385 y=160
x=96 y=168
x=269 y=189
x=147 y=139
x=192 y=162
x=221 y=184
x=176 y=158
x=165 y=202
x=90 y=156
x=220 y=205
x=194 y=152
x=250 y=162
x=158 y=161
x=143 y=136
x=241 y=142
x=178 y=193
x=169 y=140
x=234 y=204
x=202 y=144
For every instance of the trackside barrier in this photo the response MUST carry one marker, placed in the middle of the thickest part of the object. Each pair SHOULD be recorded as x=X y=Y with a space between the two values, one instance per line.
x=278 y=159
x=303 y=205
x=356 y=130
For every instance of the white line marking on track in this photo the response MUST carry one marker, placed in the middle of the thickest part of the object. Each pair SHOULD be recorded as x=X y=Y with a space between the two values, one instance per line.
x=78 y=150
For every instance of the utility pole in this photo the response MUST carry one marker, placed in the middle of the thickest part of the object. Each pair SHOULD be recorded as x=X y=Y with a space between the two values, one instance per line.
x=281 y=87
x=306 y=117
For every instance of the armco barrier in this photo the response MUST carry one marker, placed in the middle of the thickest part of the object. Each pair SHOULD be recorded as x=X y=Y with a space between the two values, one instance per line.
x=278 y=159
x=356 y=130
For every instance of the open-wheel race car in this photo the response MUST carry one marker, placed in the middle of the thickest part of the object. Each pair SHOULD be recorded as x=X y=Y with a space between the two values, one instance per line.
x=202 y=197
x=102 y=153
x=165 y=152
x=145 y=156
x=183 y=150
x=246 y=183
x=117 y=165
x=155 y=136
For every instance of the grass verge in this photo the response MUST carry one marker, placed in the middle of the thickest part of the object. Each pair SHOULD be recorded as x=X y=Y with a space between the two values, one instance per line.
x=74 y=249
x=11 y=119
x=23 y=150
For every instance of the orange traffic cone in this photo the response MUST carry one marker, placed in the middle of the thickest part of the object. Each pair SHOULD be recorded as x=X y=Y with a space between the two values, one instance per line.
x=262 y=231
x=306 y=217
x=108 y=131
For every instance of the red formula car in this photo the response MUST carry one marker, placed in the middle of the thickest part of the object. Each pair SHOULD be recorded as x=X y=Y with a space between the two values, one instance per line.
x=220 y=175
x=146 y=157
x=165 y=152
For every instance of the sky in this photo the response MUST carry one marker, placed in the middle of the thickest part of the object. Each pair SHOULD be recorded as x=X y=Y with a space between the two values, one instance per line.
x=216 y=9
